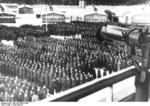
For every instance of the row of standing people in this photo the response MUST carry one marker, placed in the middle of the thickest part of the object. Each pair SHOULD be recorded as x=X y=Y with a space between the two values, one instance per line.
x=61 y=65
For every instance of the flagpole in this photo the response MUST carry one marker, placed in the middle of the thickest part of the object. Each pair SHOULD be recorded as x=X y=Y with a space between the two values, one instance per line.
x=46 y=18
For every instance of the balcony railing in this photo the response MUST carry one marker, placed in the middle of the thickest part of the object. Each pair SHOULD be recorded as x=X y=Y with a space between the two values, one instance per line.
x=81 y=91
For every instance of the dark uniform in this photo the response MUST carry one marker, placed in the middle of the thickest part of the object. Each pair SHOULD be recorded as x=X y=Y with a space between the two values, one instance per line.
x=63 y=84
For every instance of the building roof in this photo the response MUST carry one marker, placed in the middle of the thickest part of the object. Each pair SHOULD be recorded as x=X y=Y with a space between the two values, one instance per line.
x=6 y=14
x=10 y=7
x=53 y=14
x=25 y=6
x=95 y=14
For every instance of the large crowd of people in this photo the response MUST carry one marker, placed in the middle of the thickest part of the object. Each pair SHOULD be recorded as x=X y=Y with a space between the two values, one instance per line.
x=38 y=67
x=57 y=65
x=86 y=29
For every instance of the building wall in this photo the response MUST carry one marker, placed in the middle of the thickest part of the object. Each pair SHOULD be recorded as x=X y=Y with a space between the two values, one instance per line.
x=53 y=18
x=25 y=10
x=95 y=18
x=7 y=18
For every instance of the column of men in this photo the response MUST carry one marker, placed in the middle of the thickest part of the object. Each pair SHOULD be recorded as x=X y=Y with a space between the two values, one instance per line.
x=60 y=65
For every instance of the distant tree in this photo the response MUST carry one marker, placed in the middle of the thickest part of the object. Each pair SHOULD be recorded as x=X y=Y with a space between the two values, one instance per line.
x=75 y=2
x=30 y=2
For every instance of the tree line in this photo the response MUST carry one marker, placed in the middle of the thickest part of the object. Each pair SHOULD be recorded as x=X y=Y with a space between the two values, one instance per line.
x=76 y=2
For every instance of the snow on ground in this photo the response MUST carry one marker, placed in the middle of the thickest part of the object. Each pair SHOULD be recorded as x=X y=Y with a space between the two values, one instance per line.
x=8 y=43
x=77 y=36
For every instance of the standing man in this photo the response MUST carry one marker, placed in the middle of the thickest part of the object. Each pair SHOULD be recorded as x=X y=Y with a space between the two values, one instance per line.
x=51 y=85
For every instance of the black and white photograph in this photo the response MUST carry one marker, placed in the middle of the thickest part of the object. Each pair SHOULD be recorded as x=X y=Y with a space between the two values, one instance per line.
x=81 y=51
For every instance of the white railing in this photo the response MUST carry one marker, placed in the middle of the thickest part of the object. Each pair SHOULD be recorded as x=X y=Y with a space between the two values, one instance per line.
x=81 y=91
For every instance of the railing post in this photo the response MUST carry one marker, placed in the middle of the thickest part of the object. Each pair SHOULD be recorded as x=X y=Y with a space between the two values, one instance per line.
x=110 y=94
x=149 y=85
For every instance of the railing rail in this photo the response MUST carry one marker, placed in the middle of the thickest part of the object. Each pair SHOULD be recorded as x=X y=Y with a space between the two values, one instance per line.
x=86 y=89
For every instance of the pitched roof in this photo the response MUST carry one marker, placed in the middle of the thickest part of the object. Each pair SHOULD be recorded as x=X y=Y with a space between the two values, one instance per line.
x=95 y=14
x=53 y=14
x=6 y=14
